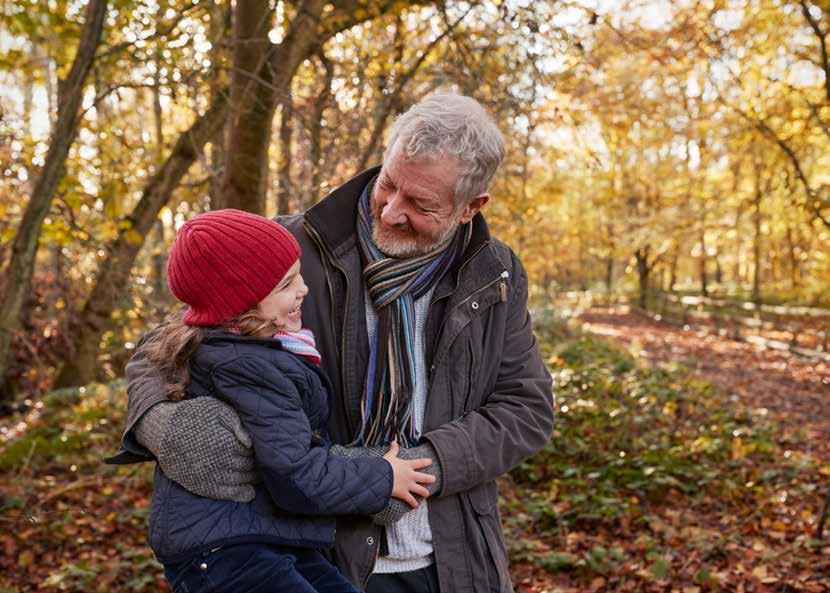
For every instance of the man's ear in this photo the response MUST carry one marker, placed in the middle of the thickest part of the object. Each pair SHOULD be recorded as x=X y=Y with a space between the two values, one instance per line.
x=471 y=209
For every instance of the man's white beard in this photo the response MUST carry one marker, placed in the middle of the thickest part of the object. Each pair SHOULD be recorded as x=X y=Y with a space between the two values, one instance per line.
x=403 y=248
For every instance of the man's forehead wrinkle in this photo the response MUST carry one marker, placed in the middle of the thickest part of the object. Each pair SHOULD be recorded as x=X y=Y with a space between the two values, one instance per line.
x=415 y=187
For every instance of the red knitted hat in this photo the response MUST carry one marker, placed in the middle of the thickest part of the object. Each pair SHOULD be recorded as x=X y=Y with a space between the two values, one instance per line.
x=225 y=262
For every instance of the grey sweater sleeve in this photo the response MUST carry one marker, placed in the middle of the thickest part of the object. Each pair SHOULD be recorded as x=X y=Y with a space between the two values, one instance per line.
x=145 y=389
x=149 y=430
x=199 y=443
x=396 y=508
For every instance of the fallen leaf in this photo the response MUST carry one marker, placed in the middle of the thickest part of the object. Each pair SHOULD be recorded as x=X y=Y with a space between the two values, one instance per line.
x=26 y=558
x=760 y=572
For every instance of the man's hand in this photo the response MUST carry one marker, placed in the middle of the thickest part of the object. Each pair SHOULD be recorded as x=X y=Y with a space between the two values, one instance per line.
x=397 y=508
x=200 y=444
x=408 y=481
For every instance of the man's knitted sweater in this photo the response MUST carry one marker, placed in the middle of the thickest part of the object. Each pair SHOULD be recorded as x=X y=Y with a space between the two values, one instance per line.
x=410 y=539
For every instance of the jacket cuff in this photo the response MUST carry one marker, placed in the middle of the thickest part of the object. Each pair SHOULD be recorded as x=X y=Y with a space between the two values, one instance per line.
x=450 y=440
x=388 y=486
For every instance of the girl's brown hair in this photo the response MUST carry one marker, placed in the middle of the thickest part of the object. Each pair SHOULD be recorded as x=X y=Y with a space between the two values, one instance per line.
x=175 y=342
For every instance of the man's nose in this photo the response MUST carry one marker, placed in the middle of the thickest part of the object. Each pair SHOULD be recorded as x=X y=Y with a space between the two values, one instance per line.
x=392 y=212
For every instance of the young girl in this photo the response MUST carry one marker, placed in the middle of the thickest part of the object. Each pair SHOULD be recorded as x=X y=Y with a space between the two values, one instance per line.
x=241 y=341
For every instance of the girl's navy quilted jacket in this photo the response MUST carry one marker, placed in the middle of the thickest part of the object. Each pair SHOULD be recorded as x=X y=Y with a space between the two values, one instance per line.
x=283 y=402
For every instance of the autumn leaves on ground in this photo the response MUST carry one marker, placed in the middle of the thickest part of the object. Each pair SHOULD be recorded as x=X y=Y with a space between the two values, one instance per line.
x=679 y=463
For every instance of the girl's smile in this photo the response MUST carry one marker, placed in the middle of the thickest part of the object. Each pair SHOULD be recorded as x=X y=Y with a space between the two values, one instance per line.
x=282 y=305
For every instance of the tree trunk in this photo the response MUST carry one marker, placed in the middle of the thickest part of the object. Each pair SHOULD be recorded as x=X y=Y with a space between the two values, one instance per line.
x=160 y=262
x=285 y=186
x=115 y=270
x=315 y=156
x=159 y=258
x=258 y=92
x=756 y=241
x=673 y=270
x=736 y=180
x=643 y=270
x=609 y=274
x=704 y=277
x=220 y=21
x=24 y=247
x=792 y=258
x=253 y=89
x=583 y=281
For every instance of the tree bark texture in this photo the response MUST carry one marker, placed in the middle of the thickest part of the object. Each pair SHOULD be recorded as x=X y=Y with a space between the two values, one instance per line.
x=253 y=90
x=643 y=272
x=316 y=132
x=285 y=186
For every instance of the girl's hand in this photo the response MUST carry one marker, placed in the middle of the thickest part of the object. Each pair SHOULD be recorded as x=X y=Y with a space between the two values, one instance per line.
x=406 y=480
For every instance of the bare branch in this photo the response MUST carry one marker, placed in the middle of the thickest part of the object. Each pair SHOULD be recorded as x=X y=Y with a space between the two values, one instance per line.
x=821 y=35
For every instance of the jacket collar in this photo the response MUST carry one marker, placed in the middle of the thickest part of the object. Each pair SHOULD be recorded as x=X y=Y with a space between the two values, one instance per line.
x=334 y=218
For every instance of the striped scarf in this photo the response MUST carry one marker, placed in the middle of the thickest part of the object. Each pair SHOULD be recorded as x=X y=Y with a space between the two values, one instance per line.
x=300 y=342
x=394 y=285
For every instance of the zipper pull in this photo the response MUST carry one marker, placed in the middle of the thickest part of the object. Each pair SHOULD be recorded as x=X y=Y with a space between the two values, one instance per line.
x=503 y=286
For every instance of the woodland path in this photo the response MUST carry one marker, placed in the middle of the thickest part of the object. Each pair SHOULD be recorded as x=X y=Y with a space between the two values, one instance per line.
x=791 y=387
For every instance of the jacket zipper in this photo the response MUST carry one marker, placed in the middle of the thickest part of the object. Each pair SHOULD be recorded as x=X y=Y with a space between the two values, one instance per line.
x=319 y=242
x=503 y=286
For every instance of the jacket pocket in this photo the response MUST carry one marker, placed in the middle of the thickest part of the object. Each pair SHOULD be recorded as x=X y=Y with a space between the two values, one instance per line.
x=458 y=373
x=484 y=501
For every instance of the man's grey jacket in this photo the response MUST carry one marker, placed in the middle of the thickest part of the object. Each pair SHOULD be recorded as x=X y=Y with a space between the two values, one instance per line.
x=489 y=404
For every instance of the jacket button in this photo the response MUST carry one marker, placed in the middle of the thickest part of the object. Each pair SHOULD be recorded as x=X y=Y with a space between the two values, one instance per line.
x=475 y=305
x=203 y=566
x=370 y=541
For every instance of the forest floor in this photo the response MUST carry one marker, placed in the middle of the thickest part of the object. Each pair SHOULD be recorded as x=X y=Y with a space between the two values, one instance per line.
x=751 y=529
x=679 y=462
x=790 y=387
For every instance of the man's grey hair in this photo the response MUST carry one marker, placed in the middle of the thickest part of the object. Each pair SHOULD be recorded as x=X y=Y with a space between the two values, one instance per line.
x=451 y=125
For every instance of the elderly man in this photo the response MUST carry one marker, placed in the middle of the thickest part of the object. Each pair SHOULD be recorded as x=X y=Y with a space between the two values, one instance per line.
x=422 y=323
